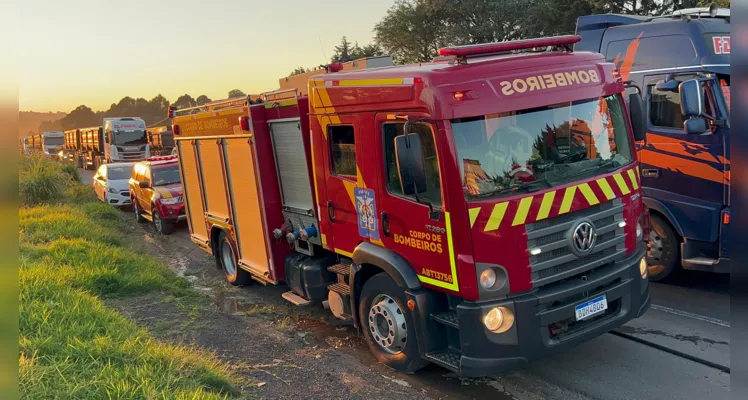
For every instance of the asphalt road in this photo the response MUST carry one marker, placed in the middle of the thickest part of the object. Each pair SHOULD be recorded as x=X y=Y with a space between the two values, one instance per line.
x=687 y=325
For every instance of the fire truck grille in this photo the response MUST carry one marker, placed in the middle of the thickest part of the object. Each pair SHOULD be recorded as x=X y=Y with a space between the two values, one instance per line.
x=557 y=260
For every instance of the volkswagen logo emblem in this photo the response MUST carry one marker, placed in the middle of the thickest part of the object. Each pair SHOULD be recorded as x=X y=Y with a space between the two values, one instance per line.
x=583 y=237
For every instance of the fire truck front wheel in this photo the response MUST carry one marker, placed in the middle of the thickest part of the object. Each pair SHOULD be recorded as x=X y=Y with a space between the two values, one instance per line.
x=389 y=325
x=662 y=252
x=227 y=258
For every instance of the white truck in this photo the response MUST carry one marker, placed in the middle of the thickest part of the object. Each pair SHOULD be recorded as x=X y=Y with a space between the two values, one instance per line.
x=125 y=140
x=52 y=142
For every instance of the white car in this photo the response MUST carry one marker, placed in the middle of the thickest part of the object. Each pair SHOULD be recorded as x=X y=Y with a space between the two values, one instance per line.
x=111 y=184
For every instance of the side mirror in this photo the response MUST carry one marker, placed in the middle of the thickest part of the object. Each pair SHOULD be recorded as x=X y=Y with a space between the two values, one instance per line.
x=695 y=126
x=143 y=185
x=638 y=119
x=691 y=98
x=410 y=164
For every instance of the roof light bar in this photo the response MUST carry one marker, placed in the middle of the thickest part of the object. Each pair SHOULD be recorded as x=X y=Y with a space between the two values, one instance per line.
x=161 y=158
x=489 y=48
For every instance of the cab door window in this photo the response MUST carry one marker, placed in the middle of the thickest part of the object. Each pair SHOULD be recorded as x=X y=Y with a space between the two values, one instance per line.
x=147 y=175
x=342 y=143
x=664 y=106
x=433 y=184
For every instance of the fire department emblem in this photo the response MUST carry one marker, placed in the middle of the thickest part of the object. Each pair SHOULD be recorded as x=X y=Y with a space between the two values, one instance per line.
x=367 y=213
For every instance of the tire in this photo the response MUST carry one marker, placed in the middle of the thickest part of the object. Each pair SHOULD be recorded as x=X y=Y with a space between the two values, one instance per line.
x=383 y=303
x=162 y=227
x=227 y=258
x=136 y=210
x=663 y=251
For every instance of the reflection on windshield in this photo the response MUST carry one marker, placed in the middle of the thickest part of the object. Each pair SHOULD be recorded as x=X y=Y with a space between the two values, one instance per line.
x=542 y=147
x=166 y=176
x=129 y=138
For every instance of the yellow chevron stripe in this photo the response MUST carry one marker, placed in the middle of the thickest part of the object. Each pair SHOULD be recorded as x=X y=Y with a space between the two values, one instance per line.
x=165 y=193
x=632 y=177
x=524 y=208
x=621 y=184
x=545 y=206
x=589 y=194
x=568 y=199
x=473 y=215
x=605 y=187
x=324 y=97
x=496 y=216
x=638 y=175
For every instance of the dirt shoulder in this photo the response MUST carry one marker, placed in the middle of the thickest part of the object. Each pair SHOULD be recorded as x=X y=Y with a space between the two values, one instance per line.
x=268 y=342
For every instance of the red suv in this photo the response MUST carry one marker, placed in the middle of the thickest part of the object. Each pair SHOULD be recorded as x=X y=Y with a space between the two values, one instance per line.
x=156 y=193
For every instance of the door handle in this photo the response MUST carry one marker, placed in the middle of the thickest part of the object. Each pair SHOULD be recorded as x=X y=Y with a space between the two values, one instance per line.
x=330 y=211
x=385 y=224
x=650 y=173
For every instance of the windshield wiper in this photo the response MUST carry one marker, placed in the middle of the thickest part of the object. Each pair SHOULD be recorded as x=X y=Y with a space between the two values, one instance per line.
x=524 y=187
x=603 y=166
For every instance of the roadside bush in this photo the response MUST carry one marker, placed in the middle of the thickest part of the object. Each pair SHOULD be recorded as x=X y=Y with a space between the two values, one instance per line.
x=71 y=170
x=42 y=180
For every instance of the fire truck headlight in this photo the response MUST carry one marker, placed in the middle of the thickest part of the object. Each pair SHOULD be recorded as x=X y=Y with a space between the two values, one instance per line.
x=643 y=268
x=170 y=200
x=639 y=231
x=488 y=278
x=499 y=319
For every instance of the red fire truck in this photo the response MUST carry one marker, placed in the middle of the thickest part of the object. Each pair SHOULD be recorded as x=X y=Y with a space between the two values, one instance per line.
x=477 y=211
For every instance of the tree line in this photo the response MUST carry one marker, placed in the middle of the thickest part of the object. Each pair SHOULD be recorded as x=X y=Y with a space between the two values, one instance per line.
x=412 y=31
x=152 y=111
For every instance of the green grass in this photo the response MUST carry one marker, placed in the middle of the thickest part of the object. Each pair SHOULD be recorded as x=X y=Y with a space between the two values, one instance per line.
x=72 y=346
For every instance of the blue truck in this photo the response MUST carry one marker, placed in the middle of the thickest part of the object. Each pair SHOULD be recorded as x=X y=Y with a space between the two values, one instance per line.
x=681 y=65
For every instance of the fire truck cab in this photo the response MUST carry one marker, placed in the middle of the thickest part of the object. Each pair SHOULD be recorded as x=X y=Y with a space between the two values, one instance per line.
x=477 y=212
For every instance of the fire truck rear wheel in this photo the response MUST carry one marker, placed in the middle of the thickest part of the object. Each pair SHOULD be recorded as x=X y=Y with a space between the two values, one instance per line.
x=663 y=250
x=388 y=324
x=226 y=255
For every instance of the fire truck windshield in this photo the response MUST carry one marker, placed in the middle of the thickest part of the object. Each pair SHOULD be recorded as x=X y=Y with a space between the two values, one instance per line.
x=132 y=138
x=533 y=149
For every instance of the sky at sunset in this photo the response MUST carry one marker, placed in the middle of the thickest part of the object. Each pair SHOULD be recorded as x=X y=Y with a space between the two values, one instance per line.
x=95 y=52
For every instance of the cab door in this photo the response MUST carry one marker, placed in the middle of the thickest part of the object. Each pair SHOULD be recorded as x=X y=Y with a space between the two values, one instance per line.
x=414 y=227
x=675 y=162
x=346 y=226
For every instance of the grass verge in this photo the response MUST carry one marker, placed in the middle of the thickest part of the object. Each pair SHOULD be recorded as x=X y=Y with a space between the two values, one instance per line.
x=72 y=346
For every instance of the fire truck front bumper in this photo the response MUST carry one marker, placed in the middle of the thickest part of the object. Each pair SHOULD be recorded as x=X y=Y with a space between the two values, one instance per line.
x=552 y=319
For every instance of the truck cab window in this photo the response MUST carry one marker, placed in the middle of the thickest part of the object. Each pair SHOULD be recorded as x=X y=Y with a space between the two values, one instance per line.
x=342 y=150
x=664 y=107
x=433 y=185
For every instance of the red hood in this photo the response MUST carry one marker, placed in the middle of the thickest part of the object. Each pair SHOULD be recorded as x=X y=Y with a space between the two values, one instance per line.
x=173 y=190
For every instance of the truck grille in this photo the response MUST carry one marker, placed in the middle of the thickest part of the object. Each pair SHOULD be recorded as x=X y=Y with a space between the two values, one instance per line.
x=557 y=261
x=131 y=155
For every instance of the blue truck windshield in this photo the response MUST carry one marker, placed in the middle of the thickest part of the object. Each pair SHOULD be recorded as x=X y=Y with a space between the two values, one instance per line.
x=534 y=149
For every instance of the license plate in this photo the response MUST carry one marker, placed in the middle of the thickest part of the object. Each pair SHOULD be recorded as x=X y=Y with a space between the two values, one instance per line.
x=591 y=308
